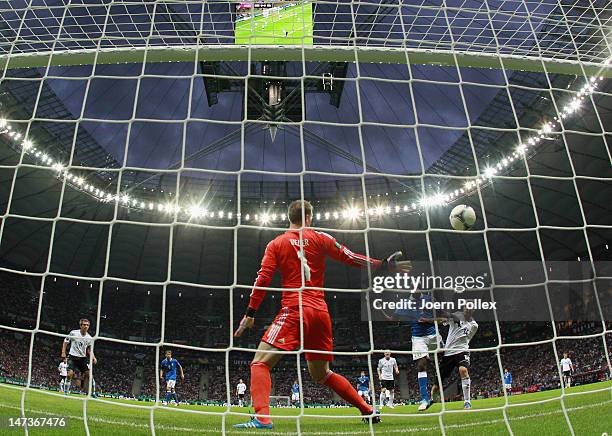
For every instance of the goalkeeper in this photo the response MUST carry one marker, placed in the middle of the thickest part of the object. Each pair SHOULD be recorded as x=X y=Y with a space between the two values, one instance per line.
x=293 y=254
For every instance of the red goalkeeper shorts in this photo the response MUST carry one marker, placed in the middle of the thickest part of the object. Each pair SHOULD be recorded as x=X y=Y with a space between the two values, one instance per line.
x=284 y=332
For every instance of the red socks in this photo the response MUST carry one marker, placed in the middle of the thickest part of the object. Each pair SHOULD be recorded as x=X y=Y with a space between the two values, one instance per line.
x=261 y=385
x=343 y=388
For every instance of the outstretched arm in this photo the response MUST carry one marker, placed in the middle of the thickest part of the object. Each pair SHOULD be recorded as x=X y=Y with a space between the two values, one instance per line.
x=341 y=253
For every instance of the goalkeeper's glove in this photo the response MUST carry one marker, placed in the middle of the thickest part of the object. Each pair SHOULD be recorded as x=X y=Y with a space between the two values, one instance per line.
x=392 y=264
x=245 y=323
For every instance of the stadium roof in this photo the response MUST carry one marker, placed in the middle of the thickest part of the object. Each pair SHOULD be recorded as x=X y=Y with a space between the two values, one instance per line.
x=532 y=30
x=376 y=112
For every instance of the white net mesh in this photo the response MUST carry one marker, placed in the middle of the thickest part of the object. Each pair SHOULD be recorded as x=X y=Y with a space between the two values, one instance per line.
x=146 y=160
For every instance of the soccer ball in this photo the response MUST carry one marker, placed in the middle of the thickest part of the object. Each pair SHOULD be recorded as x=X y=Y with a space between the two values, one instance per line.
x=462 y=217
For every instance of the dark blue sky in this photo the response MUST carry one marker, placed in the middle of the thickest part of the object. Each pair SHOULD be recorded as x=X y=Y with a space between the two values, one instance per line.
x=155 y=143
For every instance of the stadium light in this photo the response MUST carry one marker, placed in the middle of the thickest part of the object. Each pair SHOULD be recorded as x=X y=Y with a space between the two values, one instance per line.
x=489 y=172
x=353 y=213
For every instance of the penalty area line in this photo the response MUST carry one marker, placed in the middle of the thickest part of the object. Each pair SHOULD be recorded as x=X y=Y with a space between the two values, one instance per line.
x=315 y=433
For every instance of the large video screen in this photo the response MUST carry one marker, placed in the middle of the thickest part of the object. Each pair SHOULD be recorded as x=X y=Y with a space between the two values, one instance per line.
x=274 y=23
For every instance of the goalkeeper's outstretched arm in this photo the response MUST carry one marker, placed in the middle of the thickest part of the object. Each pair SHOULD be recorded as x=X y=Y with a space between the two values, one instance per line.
x=341 y=253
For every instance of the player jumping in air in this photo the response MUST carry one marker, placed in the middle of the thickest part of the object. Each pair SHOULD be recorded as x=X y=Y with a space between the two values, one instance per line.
x=462 y=329
x=169 y=366
x=63 y=372
x=295 y=394
x=78 y=356
x=424 y=339
x=363 y=387
x=567 y=368
x=387 y=369
x=301 y=253
x=241 y=392
x=508 y=381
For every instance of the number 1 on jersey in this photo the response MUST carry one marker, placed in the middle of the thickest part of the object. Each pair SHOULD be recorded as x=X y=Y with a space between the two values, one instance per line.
x=305 y=265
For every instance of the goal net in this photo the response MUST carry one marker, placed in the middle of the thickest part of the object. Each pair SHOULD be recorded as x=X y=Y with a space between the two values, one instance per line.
x=149 y=151
x=280 y=400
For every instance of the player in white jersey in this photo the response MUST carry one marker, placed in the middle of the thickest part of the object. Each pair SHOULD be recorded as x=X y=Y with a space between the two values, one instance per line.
x=567 y=367
x=63 y=372
x=387 y=369
x=240 y=392
x=462 y=329
x=78 y=357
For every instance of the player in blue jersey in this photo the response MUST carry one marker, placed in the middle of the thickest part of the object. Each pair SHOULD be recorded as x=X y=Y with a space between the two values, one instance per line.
x=295 y=394
x=424 y=339
x=508 y=381
x=168 y=369
x=363 y=387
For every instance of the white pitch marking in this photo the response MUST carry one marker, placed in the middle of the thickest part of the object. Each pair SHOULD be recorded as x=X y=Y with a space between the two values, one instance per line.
x=318 y=433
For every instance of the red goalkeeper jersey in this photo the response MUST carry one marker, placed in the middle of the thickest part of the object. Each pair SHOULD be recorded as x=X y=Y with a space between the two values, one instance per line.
x=284 y=253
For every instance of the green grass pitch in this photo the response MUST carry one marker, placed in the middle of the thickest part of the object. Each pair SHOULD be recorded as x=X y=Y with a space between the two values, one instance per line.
x=589 y=413
x=293 y=26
